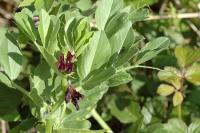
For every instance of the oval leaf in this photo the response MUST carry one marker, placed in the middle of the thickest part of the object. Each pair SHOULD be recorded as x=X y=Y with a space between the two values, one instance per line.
x=11 y=57
x=187 y=55
x=193 y=74
x=177 y=98
x=95 y=55
x=165 y=90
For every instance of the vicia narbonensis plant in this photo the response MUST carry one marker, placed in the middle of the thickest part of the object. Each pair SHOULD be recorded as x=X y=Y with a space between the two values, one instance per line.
x=81 y=53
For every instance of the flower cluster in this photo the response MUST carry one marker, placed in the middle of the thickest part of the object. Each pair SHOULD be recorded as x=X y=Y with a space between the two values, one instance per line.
x=65 y=65
x=71 y=95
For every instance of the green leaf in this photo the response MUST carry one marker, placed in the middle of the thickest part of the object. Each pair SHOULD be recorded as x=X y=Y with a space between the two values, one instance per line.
x=126 y=54
x=11 y=116
x=84 y=4
x=9 y=100
x=123 y=44
x=43 y=80
x=135 y=127
x=116 y=22
x=11 y=57
x=193 y=74
x=44 y=26
x=177 y=98
x=71 y=130
x=97 y=77
x=122 y=37
x=24 y=125
x=165 y=90
x=93 y=96
x=155 y=128
x=83 y=124
x=147 y=114
x=119 y=78
x=26 y=26
x=78 y=33
x=105 y=9
x=81 y=37
x=140 y=3
x=175 y=126
x=124 y=109
x=43 y=4
x=95 y=55
x=194 y=127
x=186 y=56
x=48 y=4
x=36 y=98
x=49 y=58
x=52 y=42
x=171 y=75
x=26 y=3
x=151 y=49
x=138 y=15
x=48 y=29
x=4 y=79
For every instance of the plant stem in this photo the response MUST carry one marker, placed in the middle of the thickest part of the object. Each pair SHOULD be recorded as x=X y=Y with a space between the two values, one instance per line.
x=101 y=122
x=49 y=126
x=64 y=84
x=138 y=66
x=3 y=126
x=179 y=111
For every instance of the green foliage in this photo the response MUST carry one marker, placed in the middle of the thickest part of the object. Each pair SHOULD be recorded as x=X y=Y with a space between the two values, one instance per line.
x=119 y=78
x=165 y=90
x=193 y=74
x=9 y=100
x=122 y=109
x=11 y=57
x=76 y=130
x=187 y=56
x=106 y=40
x=95 y=55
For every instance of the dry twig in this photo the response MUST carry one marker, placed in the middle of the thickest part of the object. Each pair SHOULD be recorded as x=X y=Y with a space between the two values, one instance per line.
x=178 y=16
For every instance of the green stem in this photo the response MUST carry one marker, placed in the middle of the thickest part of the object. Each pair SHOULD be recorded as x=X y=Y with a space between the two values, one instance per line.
x=138 y=66
x=61 y=100
x=22 y=90
x=64 y=84
x=179 y=111
x=49 y=126
x=101 y=122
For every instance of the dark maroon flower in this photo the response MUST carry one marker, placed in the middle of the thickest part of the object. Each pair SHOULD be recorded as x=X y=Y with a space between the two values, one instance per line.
x=66 y=65
x=61 y=63
x=71 y=95
x=69 y=67
x=70 y=57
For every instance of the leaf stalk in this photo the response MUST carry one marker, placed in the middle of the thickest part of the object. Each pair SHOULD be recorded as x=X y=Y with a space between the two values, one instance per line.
x=101 y=122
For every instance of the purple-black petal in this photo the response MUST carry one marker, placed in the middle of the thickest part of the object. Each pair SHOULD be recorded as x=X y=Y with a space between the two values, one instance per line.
x=70 y=57
x=69 y=67
x=61 y=63
x=72 y=95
